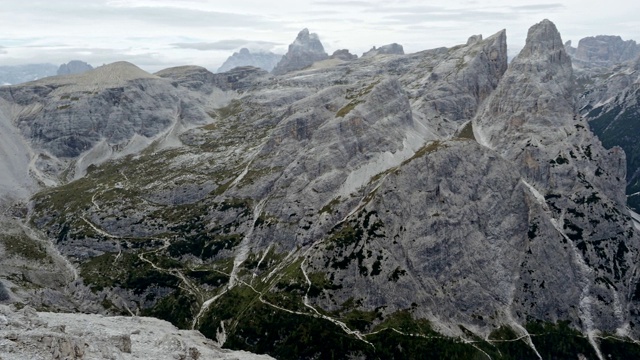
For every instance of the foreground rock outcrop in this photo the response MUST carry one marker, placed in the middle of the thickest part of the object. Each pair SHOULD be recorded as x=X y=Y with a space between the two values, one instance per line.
x=27 y=334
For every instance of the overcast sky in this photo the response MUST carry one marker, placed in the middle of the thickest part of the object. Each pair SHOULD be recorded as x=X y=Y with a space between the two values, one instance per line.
x=156 y=34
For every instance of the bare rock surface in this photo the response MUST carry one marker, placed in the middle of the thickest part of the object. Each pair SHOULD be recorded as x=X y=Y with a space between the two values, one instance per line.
x=263 y=60
x=443 y=191
x=27 y=334
x=604 y=51
x=390 y=49
x=74 y=67
x=304 y=51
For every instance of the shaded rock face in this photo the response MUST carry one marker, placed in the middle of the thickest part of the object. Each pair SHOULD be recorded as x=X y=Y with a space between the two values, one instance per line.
x=74 y=67
x=303 y=52
x=569 y=49
x=390 y=49
x=196 y=78
x=91 y=117
x=605 y=51
x=530 y=121
x=263 y=60
x=611 y=104
x=343 y=54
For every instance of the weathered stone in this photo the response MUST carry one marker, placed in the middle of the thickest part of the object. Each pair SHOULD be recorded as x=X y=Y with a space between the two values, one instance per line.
x=303 y=52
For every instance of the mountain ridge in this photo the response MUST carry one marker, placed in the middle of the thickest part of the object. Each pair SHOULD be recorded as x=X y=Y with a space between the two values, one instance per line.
x=444 y=201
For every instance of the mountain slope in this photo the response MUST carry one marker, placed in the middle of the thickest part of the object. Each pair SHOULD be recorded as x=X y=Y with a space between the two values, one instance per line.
x=440 y=202
x=611 y=106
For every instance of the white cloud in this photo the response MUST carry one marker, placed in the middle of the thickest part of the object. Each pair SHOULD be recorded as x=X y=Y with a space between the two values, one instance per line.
x=155 y=33
x=230 y=44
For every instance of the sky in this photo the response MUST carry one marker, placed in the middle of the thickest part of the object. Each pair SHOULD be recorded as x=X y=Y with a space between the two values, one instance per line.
x=157 y=34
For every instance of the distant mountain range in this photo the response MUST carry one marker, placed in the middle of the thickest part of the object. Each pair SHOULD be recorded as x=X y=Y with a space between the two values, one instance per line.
x=263 y=60
x=23 y=73
x=17 y=74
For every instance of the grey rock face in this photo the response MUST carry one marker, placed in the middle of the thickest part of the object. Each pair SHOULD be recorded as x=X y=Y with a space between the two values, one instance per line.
x=343 y=54
x=605 y=51
x=569 y=49
x=263 y=60
x=390 y=49
x=27 y=334
x=74 y=67
x=443 y=185
x=68 y=116
x=303 y=52
x=611 y=104
x=196 y=78
x=530 y=120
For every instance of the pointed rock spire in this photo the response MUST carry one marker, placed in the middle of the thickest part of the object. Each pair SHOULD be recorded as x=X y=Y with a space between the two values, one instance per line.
x=304 y=51
x=536 y=90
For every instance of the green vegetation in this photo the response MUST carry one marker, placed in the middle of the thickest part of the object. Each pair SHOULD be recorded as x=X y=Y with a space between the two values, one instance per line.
x=559 y=341
x=179 y=308
x=355 y=97
x=128 y=272
x=427 y=149
x=24 y=247
x=347 y=108
x=329 y=207
x=467 y=132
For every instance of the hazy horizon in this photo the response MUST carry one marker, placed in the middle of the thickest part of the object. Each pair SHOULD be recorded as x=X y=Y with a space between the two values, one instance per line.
x=163 y=33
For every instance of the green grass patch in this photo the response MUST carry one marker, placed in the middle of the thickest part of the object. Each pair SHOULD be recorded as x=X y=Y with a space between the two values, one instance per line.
x=24 y=247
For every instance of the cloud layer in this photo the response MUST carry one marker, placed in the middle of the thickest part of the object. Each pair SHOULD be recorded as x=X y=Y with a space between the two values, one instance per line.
x=161 y=33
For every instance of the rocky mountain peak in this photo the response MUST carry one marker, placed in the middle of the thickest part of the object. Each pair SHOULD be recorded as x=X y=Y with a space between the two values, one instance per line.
x=343 y=54
x=74 y=67
x=605 y=51
x=304 y=51
x=543 y=40
x=389 y=49
x=263 y=60
x=515 y=109
x=474 y=39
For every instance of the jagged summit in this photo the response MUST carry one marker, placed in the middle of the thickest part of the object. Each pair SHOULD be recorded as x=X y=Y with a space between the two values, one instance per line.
x=304 y=51
x=544 y=63
x=543 y=40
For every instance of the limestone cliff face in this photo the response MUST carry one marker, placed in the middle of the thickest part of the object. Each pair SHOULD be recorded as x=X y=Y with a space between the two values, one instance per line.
x=303 y=52
x=263 y=60
x=389 y=49
x=611 y=104
x=531 y=120
x=74 y=67
x=94 y=116
x=604 y=51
